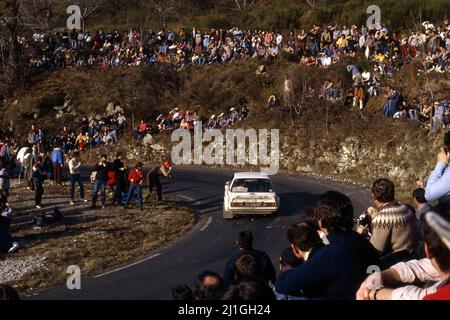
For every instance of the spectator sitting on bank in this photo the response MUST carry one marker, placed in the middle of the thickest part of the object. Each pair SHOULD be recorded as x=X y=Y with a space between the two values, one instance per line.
x=182 y=293
x=349 y=253
x=394 y=228
x=438 y=184
x=142 y=130
x=420 y=202
x=272 y=103
x=209 y=286
x=437 y=122
x=249 y=290
x=244 y=242
x=305 y=243
x=417 y=279
x=247 y=267
x=359 y=97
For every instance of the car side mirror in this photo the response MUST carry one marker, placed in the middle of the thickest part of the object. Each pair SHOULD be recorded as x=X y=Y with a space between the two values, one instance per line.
x=227 y=186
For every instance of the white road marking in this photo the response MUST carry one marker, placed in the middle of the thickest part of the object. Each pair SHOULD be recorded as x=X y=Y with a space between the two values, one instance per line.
x=185 y=197
x=207 y=224
x=211 y=209
x=128 y=266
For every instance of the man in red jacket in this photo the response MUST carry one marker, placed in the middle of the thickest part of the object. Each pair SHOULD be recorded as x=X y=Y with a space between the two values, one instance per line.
x=136 y=179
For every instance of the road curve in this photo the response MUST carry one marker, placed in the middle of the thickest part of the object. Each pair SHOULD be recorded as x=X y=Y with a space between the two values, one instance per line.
x=210 y=243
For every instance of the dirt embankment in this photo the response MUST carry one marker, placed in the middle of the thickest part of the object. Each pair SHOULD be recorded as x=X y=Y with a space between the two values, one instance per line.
x=325 y=138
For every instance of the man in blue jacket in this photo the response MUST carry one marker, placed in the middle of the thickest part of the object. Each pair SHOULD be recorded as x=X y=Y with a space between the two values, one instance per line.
x=336 y=271
x=58 y=163
x=438 y=185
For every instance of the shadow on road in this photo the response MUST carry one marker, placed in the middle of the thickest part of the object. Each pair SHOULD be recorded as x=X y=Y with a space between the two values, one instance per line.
x=295 y=203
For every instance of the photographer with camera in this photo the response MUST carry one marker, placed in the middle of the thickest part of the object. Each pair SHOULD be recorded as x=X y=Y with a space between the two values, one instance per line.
x=426 y=279
x=394 y=228
x=438 y=185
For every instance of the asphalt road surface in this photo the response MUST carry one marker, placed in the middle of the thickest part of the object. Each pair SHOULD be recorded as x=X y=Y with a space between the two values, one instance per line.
x=210 y=243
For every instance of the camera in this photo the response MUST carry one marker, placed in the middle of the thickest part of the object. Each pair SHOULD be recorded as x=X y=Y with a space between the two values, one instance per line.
x=363 y=224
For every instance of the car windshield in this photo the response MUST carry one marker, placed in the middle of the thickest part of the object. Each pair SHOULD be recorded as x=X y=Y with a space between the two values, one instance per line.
x=252 y=186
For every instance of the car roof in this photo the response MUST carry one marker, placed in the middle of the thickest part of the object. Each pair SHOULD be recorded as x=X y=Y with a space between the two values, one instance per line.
x=251 y=175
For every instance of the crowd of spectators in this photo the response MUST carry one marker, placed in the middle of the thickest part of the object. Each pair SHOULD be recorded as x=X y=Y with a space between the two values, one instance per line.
x=321 y=46
x=176 y=119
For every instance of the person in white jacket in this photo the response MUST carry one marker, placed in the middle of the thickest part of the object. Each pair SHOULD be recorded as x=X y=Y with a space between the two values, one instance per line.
x=404 y=274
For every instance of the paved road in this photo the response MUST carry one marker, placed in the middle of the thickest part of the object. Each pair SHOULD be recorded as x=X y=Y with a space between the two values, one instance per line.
x=210 y=243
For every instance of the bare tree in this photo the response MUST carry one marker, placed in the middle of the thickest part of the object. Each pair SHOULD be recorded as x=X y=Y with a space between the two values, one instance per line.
x=240 y=5
x=312 y=3
x=245 y=5
x=88 y=10
x=162 y=8
x=20 y=17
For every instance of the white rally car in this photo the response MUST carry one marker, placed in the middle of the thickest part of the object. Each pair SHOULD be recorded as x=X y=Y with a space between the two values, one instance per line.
x=250 y=193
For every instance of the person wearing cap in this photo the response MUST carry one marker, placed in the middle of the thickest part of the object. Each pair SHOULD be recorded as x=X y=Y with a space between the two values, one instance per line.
x=154 y=181
x=136 y=179
x=413 y=278
x=212 y=123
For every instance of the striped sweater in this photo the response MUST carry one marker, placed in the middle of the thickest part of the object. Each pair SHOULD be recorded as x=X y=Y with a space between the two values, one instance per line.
x=394 y=229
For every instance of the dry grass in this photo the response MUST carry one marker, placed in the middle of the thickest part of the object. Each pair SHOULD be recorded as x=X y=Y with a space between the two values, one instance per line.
x=94 y=240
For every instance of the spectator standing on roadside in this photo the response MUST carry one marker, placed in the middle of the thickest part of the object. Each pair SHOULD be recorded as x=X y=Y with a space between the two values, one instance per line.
x=7 y=244
x=120 y=171
x=58 y=163
x=38 y=177
x=75 y=177
x=154 y=181
x=101 y=177
x=136 y=179
x=5 y=182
